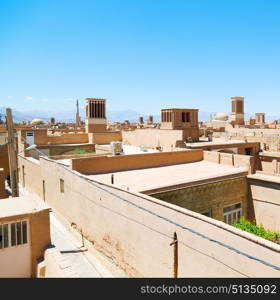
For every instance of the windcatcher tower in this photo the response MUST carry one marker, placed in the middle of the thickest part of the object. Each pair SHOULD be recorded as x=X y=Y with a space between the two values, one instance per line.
x=237 y=110
x=260 y=118
x=95 y=115
x=181 y=119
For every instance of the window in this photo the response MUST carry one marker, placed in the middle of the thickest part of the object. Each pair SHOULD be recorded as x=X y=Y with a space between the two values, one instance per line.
x=248 y=151
x=207 y=213
x=18 y=233
x=61 y=186
x=13 y=234
x=232 y=213
x=4 y=236
x=185 y=117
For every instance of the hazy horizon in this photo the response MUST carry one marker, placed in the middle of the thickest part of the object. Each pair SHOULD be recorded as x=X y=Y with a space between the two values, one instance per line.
x=140 y=55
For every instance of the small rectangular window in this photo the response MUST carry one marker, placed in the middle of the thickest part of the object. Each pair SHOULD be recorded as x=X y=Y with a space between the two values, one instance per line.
x=61 y=186
x=232 y=213
x=6 y=235
x=1 y=236
x=232 y=207
x=19 y=239
x=187 y=117
x=24 y=232
x=13 y=234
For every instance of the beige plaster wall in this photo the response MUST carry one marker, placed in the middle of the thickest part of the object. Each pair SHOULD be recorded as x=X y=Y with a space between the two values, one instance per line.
x=153 y=137
x=103 y=164
x=136 y=231
x=235 y=160
x=39 y=235
x=105 y=137
x=77 y=138
x=269 y=165
x=32 y=178
x=55 y=265
x=41 y=137
x=266 y=203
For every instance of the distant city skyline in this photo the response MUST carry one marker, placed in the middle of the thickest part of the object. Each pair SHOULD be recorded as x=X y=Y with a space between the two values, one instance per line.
x=140 y=55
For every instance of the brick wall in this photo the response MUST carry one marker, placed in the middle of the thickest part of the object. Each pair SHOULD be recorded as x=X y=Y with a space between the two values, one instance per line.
x=210 y=197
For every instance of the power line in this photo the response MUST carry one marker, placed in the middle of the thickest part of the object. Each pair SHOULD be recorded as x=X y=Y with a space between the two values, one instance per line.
x=152 y=229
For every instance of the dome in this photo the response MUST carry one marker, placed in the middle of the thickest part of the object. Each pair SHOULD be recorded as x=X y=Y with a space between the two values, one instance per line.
x=36 y=121
x=221 y=116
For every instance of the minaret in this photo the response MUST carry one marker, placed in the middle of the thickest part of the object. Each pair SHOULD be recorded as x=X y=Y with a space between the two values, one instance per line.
x=78 y=118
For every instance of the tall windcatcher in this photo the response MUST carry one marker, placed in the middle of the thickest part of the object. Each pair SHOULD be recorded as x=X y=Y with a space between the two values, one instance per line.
x=96 y=115
x=237 y=111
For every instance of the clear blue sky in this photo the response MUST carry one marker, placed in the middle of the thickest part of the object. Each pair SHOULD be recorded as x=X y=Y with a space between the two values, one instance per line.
x=142 y=55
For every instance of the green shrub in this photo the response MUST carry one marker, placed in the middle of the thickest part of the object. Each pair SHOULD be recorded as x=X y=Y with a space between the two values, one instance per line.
x=80 y=151
x=258 y=230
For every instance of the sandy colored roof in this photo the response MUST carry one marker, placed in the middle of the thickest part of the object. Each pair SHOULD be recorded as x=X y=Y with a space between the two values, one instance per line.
x=161 y=177
x=265 y=177
x=270 y=154
x=20 y=206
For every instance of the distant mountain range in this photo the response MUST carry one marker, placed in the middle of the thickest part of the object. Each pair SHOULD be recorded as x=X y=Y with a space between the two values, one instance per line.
x=117 y=116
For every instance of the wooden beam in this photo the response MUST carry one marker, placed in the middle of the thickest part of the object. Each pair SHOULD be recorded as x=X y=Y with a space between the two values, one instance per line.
x=12 y=152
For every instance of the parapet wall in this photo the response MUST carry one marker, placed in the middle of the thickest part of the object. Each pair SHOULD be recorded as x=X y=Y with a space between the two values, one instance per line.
x=235 y=160
x=136 y=230
x=77 y=138
x=102 y=138
x=41 y=137
x=104 y=164
x=266 y=200
x=269 y=165
x=55 y=265
x=153 y=137
x=30 y=175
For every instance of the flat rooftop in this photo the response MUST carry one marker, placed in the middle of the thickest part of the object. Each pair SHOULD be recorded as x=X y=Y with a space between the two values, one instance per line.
x=269 y=154
x=20 y=206
x=162 y=178
x=265 y=177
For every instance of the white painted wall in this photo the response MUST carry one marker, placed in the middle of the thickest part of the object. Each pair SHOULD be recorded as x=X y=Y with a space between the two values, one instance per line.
x=16 y=261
